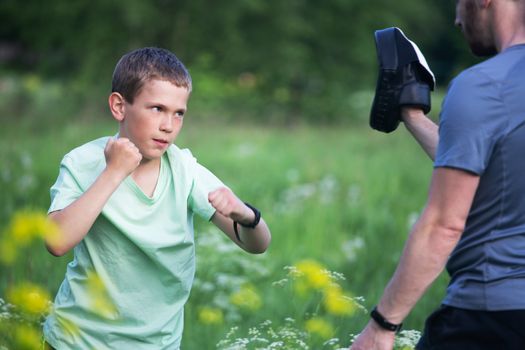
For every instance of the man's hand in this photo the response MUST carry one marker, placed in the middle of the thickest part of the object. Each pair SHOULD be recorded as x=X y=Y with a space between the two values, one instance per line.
x=374 y=338
x=122 y=156
x=227 y=204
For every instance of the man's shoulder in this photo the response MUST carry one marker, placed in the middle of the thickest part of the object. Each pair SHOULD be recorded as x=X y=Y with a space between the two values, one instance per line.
x=480 y=71
x=496 y=68
x=480 y=77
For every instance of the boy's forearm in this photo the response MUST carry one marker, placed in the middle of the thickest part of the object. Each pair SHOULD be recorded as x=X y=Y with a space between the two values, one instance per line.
x=255 y=240
x=77 y=218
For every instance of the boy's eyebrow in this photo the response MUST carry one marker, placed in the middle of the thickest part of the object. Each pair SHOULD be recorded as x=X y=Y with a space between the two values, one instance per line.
x=162 y=105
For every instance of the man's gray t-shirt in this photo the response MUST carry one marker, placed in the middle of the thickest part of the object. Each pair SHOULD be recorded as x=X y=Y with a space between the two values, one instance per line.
x=482 y=131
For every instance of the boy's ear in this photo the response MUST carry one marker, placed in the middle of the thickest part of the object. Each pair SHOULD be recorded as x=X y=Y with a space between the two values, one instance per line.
x=117 y=106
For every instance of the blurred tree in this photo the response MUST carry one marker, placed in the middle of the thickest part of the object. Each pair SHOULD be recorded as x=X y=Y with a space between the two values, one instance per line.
x=295 y=58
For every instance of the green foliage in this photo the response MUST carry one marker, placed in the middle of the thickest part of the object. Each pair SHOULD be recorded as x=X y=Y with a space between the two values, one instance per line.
x=273 y=61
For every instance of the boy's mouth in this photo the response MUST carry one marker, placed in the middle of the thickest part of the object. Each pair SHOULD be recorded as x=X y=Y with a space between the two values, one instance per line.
x=161 y=142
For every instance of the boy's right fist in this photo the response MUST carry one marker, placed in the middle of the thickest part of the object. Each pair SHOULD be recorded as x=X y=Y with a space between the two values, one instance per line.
x=122 y=155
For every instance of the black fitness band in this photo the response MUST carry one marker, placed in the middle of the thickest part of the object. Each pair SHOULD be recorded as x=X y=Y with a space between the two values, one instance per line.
x=383 y=323
x=254 y=223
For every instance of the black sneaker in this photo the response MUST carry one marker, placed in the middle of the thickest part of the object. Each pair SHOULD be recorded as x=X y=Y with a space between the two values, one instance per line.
x=404 y=79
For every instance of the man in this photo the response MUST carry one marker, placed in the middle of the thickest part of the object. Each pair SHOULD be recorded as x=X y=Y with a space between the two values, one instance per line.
x=474 y=219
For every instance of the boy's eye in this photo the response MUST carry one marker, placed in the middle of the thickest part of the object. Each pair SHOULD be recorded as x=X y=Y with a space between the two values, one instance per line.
x=180 y=114
x=157 y=109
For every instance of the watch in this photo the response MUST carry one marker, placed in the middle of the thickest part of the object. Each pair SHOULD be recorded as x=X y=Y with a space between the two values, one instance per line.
x=252 y=224
x=383 y=323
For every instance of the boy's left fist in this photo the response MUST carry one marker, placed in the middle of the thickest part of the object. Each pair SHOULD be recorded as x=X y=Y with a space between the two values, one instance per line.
x=227 y=204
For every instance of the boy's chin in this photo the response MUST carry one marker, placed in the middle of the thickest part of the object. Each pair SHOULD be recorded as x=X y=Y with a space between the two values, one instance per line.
x=153 y=156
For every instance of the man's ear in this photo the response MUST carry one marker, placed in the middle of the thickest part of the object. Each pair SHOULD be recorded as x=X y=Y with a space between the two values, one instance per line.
x=117 y=106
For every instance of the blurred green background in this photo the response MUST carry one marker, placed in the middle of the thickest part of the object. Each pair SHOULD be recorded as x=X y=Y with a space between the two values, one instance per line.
x=279 y=111
x=273 y=61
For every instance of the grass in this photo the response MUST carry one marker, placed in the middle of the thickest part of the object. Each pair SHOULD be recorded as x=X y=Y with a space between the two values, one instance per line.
x=342 y=196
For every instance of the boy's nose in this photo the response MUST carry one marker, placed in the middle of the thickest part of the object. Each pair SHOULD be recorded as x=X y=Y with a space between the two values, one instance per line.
x=166 y=124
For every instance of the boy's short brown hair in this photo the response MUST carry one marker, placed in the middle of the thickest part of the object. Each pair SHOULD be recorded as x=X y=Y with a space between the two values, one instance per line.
x=144 y=64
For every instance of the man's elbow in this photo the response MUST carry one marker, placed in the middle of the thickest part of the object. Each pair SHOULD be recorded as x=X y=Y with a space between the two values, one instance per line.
x=450 y=233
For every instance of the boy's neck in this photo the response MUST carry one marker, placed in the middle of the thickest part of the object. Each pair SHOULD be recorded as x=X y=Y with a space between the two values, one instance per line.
x=146 y=175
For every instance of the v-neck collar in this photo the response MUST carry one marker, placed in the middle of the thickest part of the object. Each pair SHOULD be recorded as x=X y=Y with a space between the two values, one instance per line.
x=162 y=181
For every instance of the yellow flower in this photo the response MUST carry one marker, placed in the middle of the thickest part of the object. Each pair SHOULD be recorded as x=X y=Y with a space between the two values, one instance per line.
x=314 y=274
x=27 y=225
x=336 y=303
x=246 y=298
x=100 y=300
x=301 y=287
x=319 y=327
x=8 y=252
x=210 y=315
x=27 y=338
x=30 y=298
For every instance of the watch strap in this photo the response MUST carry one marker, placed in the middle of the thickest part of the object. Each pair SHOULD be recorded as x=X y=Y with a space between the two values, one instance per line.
x=254 y=223
x=383 y=323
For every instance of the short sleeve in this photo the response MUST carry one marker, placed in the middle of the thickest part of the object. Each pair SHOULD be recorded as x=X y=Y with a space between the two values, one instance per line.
x=66 y=189
x=204 y=182
x=470 y=123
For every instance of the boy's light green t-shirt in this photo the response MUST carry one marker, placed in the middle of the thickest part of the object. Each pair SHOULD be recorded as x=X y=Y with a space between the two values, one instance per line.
x=131 y=275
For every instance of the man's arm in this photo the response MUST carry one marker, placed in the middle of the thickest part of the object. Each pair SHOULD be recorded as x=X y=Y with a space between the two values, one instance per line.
x=76 y=219
x=424 y=130
x=428 y=247
x=229 y=209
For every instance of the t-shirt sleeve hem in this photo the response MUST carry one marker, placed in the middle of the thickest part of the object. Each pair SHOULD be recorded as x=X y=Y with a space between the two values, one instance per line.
x=209 y=214
x=58 y=206
x=472 y=170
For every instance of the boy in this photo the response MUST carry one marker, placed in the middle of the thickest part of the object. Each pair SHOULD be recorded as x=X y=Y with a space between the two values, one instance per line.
x=126 y=204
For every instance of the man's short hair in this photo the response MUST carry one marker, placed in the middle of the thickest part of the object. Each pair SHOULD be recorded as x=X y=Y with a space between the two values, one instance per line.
x=142 y=65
